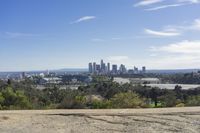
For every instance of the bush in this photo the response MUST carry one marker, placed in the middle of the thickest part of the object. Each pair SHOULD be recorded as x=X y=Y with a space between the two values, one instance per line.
x=1 y=99
x=73 y=102
x=127 y=100
x=168 y=99
x=105 y=104
x=193 y=101
x=180 y=105
x=14 y=100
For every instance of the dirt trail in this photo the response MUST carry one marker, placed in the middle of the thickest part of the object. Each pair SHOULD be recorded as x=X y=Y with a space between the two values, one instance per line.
x=184 y=120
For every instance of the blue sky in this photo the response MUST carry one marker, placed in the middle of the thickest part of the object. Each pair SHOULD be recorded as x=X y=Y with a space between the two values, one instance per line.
x=53 y=34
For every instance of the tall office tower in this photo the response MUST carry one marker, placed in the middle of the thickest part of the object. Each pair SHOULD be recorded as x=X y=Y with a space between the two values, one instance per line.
x=102 y=64
x=23 y=75
x=143 y=69
x=108 y=67
x=98 y=68
x=103 y=69
x=90 y=67
x=135 y=70
x=94 y=67
x=47 y=72
x=130 y=71
x=114 y=69
x=122 y=69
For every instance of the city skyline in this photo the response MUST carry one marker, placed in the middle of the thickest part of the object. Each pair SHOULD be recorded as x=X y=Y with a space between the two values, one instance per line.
x=49 y=34
x=108 y=68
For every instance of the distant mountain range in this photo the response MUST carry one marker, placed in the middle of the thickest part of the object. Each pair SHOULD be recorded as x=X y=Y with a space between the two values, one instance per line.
x=166 y=71
x=72 y=70
x=170 y=71
x=65 y=70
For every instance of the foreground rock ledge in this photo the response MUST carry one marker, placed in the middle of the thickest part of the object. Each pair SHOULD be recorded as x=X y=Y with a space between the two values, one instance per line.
x=184 y=120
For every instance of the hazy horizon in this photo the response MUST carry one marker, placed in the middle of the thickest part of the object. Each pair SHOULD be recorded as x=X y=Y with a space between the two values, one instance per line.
x=49 y=34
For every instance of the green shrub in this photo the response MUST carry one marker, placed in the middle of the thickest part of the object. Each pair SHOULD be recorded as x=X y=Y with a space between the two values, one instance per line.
x=168 y=99
x=193 y=101
x=73 y=102
x=14 y=100
x=180 y=105
x=127 y=100
x=101 y=104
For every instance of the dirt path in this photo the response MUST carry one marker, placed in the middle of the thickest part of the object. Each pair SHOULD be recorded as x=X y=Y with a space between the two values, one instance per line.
x=184 y=120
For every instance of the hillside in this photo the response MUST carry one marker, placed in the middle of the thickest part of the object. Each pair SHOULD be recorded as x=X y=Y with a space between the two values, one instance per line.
x=101 y=121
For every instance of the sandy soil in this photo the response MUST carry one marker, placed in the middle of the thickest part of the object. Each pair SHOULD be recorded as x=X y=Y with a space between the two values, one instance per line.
x=184 y=120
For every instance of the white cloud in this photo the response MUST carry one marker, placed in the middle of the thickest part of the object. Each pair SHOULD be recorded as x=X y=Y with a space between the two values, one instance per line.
x=116 y=38
x=17 y=34
x=190 y=1
x=147 y=2
x=175 y=30
x=163 y=7
x=153 y=55
x=195 y=25
x=184 y=47
x=162 y=4
x=117 y=58
x=97 y=40
x=173 y=62
x=162 y=33
x=184 y=54
x=84 y=18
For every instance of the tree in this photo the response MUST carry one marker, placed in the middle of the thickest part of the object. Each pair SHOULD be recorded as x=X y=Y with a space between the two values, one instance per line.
x=9 y=82
x=15 y=100
x=154 y=93
x=168 y=99
x=1 y=100
x=178 y=92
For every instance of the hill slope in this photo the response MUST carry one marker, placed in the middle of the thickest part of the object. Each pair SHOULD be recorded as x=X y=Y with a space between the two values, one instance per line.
x=102 y=121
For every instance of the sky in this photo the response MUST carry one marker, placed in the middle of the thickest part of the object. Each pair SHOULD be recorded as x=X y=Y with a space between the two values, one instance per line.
x=54 y=34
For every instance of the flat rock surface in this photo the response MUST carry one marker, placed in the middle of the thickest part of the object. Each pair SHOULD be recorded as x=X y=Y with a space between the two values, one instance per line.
x=184 y=120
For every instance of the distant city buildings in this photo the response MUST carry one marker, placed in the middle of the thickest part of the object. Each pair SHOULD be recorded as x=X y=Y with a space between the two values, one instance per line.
x=90 y=68
x=105 y=69
x=114 y=69
x=143 y=69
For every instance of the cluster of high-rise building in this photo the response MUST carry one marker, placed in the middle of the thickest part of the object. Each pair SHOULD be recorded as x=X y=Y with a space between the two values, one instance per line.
x=106 y=68
x=101 y=68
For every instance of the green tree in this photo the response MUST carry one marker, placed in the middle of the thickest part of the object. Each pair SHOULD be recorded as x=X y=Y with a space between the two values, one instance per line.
x=101 y=104
x=15 y=100
x=1 y=100
x=178 y=91
x=168 y=99
x=154 y=94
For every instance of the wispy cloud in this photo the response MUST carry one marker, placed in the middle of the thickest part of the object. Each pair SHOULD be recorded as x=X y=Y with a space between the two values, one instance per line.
x=17 y=34
x=187 y=26
x=175 y=30
x=147 y=2
x=117 y=58
x=163 y=7
x=84 y=18
x=190 y=1
x=116 y=38
x=162 y=4
x=184 y=47
x=184 y=54
x=161 y=33
x=195 y=25
x=97 y=40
